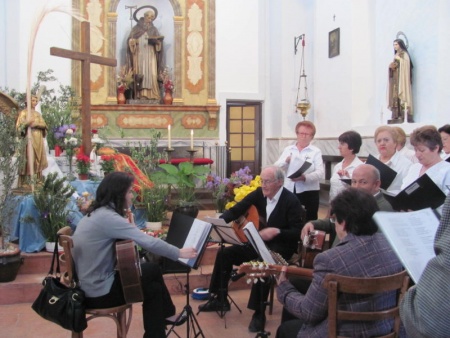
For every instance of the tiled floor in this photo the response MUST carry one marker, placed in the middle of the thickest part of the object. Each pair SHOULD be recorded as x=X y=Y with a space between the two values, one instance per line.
x=20 y=321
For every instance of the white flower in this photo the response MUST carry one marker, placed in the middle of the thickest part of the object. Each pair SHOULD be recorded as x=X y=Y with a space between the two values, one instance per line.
x=73 y=141
x=69 y=131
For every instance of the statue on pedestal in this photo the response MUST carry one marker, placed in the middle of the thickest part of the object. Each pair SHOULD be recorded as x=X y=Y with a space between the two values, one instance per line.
x=144 y=55
x=38 y=134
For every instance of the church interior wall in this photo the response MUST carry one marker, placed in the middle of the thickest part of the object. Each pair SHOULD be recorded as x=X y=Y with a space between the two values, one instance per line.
x=255 y=60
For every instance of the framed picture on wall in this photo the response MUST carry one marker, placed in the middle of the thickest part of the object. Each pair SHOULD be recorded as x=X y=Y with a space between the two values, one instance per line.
x=333 y=43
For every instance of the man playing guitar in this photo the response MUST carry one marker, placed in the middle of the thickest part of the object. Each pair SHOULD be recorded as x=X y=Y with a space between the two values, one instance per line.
x=282 y=213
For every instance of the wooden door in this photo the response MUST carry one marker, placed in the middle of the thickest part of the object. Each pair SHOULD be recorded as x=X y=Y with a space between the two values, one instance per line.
x=244 y=136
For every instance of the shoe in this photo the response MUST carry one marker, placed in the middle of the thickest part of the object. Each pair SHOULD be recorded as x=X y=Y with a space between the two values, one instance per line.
x=177 y=319
x=257 y=323
x=214 y=304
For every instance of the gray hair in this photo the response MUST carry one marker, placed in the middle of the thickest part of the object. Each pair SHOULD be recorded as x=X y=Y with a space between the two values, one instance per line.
x=278 y=172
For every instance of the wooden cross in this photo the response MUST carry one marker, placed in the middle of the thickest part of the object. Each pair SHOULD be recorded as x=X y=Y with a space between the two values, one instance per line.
x=86 y=59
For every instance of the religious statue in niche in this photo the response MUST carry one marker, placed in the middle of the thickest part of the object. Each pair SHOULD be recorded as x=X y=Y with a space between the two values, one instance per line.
x=145 y=55
x=38 y=133
x=400 y=81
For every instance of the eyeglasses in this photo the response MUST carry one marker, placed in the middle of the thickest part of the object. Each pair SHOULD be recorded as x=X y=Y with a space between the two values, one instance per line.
x=267 y=182
x=333 y=219
x=304 y=134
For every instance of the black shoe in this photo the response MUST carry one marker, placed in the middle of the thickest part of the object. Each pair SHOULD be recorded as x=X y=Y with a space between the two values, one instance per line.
x=257 y=323
x=177 y=320
x=214 y=304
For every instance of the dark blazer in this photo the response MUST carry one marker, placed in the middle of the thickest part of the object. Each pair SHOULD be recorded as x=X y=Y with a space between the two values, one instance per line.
x=287 y=216
x=425 y=307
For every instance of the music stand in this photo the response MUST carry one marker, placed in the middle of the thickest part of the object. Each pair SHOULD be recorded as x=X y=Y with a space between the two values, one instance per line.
x=264 y=255
x=180 y=235
x=226 y=234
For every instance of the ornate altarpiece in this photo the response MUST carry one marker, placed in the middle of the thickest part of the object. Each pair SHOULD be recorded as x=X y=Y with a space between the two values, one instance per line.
x=195 y=105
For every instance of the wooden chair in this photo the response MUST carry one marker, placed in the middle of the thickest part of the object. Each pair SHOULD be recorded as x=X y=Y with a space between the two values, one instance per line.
x=120 y=314
x=337 y=284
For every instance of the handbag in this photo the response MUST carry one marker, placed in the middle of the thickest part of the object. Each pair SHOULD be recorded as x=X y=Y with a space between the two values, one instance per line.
x=59 y=303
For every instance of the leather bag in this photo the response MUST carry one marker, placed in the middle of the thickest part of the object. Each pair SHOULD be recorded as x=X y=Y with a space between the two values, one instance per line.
x=59 y=303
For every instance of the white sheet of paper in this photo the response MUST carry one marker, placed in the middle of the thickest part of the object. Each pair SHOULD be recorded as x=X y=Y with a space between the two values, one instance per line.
x=255 y=239
x=196 y=238
x=411 y=235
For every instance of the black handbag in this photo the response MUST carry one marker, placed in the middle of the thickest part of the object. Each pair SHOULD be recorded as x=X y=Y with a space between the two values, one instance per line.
x=60 y=304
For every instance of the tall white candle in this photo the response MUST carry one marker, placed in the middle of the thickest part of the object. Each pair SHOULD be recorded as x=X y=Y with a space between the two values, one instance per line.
x=169 y=141
x=192 y=139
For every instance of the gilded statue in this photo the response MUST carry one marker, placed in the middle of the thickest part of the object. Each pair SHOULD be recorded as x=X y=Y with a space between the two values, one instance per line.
x=38 y=133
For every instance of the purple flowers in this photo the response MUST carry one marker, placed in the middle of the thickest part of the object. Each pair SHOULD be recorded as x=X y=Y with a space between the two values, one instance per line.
x=60 y=132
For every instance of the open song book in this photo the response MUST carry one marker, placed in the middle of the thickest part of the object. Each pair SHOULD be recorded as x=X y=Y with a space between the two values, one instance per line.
x=297 y=167
x=411 y=235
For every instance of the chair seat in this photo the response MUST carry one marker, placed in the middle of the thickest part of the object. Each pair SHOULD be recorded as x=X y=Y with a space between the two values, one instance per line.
x=109 y=310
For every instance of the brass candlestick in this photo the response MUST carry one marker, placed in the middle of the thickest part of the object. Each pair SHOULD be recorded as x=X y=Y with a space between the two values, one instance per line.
x=191 y=154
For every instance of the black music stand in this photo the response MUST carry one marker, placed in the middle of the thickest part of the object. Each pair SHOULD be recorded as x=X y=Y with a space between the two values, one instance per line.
x=179 y=229
x=226 y=234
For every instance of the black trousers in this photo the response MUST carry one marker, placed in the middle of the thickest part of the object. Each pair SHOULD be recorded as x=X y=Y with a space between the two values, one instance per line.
x=310 y=200
x=157 y=304
x=289 y=329
x=236 y=255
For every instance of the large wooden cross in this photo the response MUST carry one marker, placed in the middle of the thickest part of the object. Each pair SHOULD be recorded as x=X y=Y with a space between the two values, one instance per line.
x=86 y=59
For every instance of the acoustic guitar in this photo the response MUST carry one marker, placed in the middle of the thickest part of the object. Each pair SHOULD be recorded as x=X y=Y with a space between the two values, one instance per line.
x=256 y=270
x=251 y=215
x=130 y=271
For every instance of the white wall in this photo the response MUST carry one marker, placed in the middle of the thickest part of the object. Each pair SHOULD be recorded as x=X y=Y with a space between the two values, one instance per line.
x=55 y=31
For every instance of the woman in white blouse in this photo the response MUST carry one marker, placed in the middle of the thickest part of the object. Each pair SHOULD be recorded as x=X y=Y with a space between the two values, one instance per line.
x=445 y=136
x=427 y=143
x=386 y=140
x=306 y=186
x=349 y=144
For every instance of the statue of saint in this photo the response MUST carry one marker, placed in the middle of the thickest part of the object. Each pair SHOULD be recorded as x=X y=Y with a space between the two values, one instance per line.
x=38 y=134
x=144 y=55
x=400 y=80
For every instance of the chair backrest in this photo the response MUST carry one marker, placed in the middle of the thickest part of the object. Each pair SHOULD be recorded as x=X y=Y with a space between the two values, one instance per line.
x=337 y=284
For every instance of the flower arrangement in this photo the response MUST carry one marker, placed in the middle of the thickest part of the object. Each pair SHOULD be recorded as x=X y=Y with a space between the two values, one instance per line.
x=124 y=78
x=244 y=190
x=84 y=202
x=107 y=163
x=167 y=82
x=156 y=202
x=83 y=163
x=161 y=233
x=225 y=189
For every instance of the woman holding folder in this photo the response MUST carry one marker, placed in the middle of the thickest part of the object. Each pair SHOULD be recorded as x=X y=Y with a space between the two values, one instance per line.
x=306 y=186
x=386 y=140
x=427 y=144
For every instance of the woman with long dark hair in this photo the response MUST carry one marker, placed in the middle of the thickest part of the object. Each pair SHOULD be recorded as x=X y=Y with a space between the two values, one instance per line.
x=108 y=220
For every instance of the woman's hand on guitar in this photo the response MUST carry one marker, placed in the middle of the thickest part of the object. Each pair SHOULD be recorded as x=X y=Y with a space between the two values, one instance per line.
x=269 y=233
x=306 y=229
x=188 y=253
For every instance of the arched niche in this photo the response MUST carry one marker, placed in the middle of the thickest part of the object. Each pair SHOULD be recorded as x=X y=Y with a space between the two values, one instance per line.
x=172 y=45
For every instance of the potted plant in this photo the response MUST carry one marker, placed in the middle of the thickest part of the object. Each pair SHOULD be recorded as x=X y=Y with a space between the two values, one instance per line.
x=10 y=258
x=51 y=199
x=183 y=179
x=155 y=202
x=107 y=164
x=83 y=166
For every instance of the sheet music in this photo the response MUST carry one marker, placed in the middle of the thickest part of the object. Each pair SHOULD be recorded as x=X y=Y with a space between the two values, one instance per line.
x=411 y=235
x=295 y=164
x=223 y=231
x=257 y=243
x=197 y=237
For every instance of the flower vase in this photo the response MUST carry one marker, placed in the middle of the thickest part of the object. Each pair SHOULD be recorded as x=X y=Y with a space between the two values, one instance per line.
x=168 y=98
x=121 y=99
x=220 y=204
x=70 y=175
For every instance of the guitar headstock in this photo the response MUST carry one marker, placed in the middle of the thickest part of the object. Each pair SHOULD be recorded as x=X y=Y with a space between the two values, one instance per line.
x=256 y=271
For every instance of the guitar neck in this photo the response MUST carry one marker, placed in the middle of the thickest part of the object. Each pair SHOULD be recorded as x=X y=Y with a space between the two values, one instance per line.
x=295 y=271
x=261 y=269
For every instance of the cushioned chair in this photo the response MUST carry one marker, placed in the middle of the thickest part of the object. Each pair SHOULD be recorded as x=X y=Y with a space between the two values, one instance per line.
x=121 y=314
x=337 y=284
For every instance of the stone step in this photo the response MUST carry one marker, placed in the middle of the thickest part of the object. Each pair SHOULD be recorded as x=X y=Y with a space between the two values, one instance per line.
x=26 y=287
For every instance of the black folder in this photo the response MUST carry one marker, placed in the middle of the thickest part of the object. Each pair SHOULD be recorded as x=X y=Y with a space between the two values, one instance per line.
x=387 y=174
x=420 y=194
x=305 y=166
x=346 y=180
x=179 y=229
x=448 y=159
